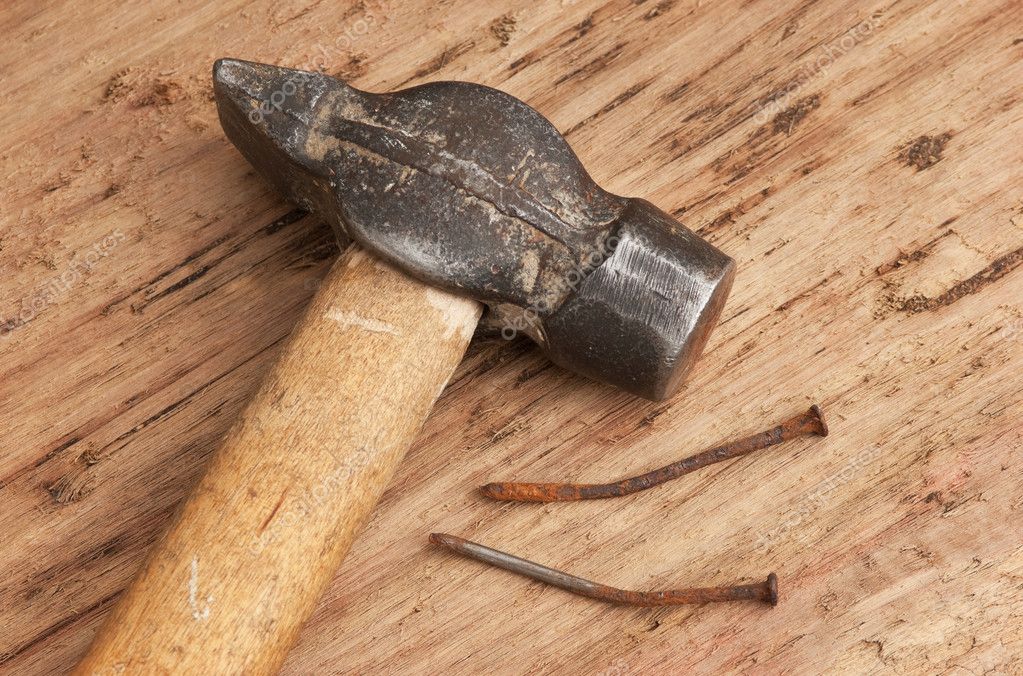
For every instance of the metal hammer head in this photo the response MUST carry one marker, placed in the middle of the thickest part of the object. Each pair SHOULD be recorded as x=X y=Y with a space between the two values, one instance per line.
x=468 y=188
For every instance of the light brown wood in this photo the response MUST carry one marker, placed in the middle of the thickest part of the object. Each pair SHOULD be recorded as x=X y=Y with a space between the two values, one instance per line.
x=896 y=540
x=229 y=586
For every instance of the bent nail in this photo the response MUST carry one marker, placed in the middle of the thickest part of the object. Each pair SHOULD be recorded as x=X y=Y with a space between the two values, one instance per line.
x=766 y=591
x=810 y=422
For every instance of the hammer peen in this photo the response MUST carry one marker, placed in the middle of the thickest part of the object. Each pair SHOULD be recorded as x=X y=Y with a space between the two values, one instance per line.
x=454 y=194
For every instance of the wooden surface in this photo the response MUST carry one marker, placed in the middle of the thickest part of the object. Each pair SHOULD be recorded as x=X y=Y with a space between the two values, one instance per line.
x=296 y=478
x=860 y=159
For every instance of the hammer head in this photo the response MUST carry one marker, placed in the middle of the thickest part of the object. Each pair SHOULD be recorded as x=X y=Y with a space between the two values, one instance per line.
x=468 y=188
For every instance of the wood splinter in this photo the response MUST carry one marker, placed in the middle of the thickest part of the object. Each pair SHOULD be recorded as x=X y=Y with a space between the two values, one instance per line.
x=810 y=422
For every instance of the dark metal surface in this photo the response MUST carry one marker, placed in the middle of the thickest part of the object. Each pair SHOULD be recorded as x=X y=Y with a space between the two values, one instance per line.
x=469 y=189
x=811 y=422
x=766 y=591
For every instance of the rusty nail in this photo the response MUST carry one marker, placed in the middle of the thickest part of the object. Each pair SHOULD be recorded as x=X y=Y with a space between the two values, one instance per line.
x=766 y=591
x=810 y=422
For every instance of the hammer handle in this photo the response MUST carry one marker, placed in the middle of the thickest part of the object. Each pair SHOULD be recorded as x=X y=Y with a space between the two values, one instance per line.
x=227 y=589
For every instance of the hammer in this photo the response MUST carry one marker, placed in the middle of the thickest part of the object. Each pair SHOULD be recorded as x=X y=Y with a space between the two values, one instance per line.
x=456 y=196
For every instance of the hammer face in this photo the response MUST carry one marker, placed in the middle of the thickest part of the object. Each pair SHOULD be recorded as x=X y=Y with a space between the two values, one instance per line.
x=641 y=319
x=468 y=188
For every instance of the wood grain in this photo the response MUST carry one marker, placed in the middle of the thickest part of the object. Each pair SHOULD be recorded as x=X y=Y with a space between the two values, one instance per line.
x=859 y=159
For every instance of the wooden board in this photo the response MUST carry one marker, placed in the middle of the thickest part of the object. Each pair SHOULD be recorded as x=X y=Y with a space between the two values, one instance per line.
x=860 y=159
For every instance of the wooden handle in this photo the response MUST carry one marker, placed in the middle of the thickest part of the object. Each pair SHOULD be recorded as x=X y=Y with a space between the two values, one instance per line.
x=229 y=586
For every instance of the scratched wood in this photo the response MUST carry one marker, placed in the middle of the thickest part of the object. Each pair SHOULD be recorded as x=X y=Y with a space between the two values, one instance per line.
x=860 y=159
